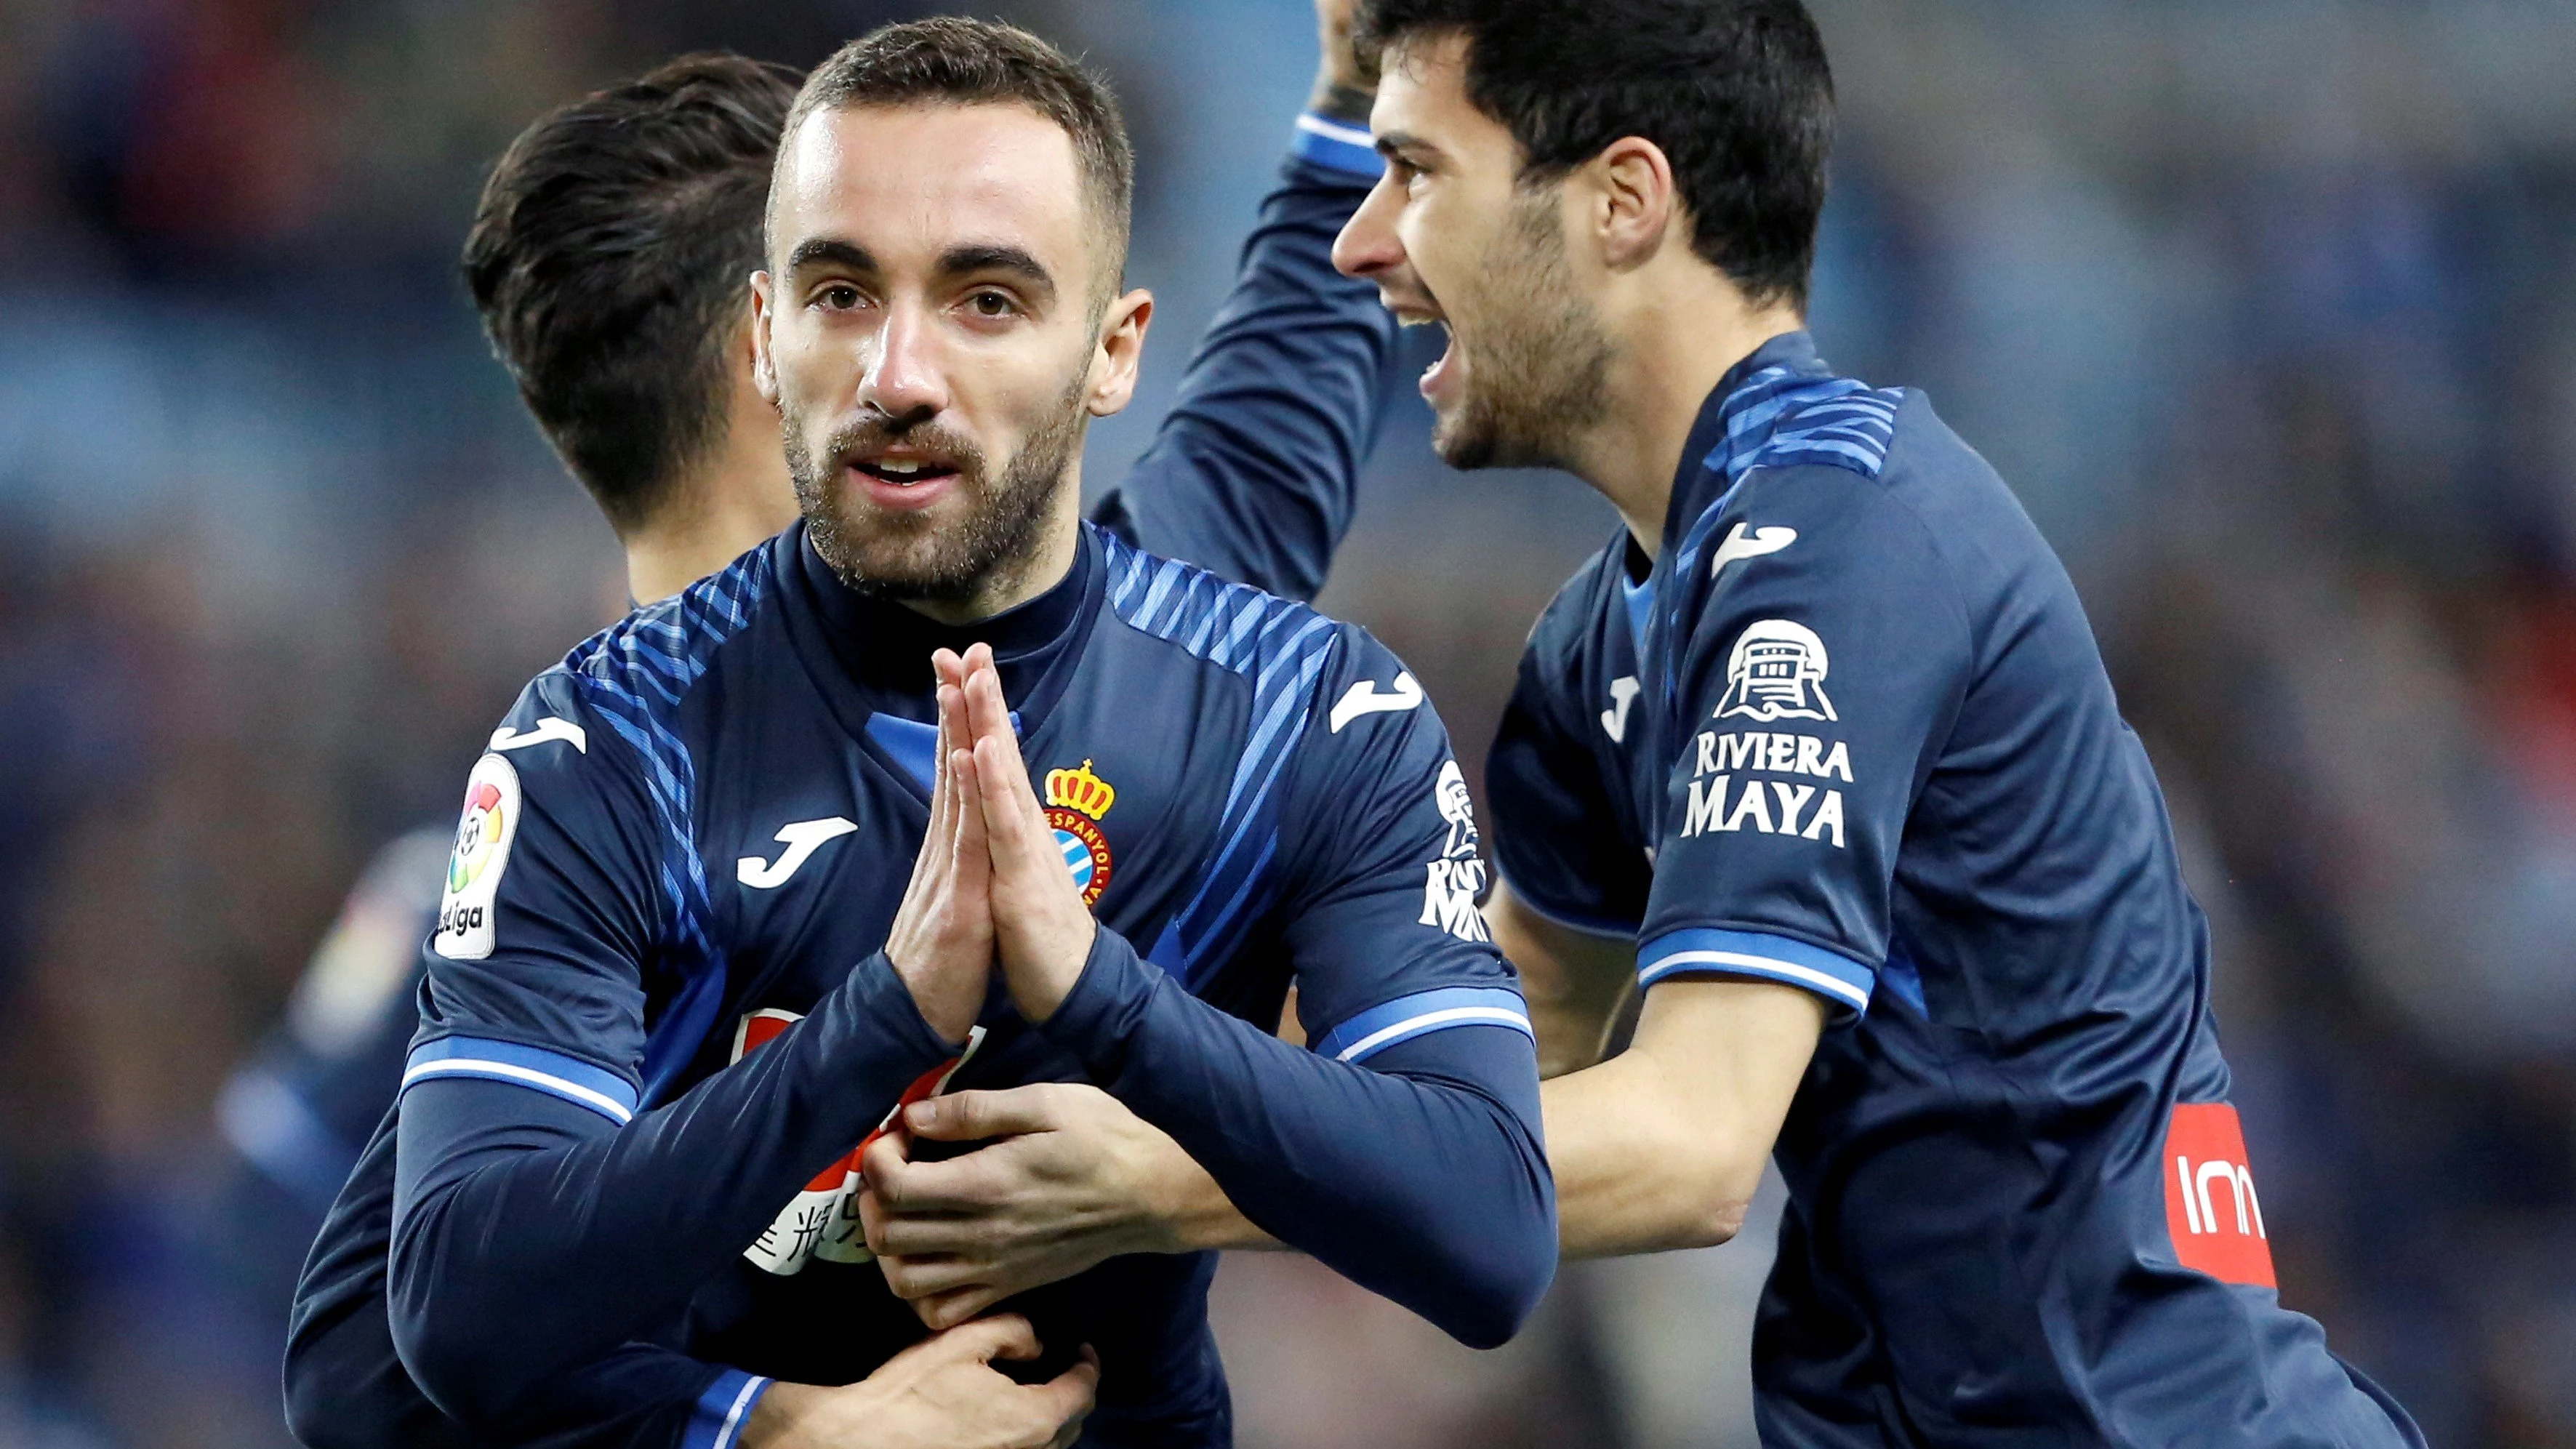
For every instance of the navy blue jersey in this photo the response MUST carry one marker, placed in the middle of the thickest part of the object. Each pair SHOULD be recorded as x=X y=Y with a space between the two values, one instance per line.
x=699 y=828
x=1250 y=475
x=1851 y=733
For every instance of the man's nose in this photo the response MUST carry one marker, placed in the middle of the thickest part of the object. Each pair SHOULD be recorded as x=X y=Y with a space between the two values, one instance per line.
x=1368 y=246
x=906 y=377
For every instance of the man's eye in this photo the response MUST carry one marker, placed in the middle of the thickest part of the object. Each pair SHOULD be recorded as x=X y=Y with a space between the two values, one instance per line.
x=990 y=304
x=840 y=297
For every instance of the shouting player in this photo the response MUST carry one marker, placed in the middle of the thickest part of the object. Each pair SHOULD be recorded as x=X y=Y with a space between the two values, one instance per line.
x=1825 y=735
x=1819 y=753
x=618 y=304
x=675 y=981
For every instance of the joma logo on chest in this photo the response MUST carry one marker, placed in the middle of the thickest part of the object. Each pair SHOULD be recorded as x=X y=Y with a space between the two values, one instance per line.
x=802 y=838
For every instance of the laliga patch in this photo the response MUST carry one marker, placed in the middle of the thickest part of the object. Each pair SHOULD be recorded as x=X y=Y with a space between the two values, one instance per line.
x=474 y=866
x=2210 y=1205
x=1075 y=802
x=822 y=1220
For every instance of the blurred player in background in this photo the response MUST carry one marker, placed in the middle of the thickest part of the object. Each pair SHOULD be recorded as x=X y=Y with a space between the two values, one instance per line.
x=607 y=260
x=602 y=1109
x=1820 y=756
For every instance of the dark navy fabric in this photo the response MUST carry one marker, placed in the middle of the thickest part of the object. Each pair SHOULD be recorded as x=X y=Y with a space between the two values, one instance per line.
x=1851 y=733
x=1253 y=474
x=577 y=1160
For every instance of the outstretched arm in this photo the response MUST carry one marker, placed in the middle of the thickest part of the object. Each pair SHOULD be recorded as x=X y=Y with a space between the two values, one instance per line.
x=1255 y=472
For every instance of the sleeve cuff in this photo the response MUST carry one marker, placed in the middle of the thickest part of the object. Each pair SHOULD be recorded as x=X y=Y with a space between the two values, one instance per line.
x=1337 y=146
x=884 y=1001
x=1704 y=952
x=1105 y=1006
x=717 y=1419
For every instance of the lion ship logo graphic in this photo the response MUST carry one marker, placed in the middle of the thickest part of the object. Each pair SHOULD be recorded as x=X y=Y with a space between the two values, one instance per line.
x=1075 y=802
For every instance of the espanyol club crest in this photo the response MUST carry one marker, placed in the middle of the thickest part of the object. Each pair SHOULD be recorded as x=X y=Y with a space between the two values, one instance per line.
x=1076 y=799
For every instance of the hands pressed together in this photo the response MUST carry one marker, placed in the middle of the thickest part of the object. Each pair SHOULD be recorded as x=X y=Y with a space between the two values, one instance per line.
x=990 y=882
x=1072 y=1177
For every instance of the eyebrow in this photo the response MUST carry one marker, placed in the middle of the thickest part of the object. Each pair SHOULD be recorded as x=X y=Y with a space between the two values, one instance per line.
x=1394 y=141
x=999 y=257
x=956 y=261
x=832 y=250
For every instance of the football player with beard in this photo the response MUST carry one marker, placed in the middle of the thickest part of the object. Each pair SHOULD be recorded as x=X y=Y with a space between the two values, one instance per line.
x=606 y=260
x=675 y=980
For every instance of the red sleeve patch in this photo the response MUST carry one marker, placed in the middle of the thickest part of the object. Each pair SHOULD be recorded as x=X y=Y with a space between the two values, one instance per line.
x=2216 y=1220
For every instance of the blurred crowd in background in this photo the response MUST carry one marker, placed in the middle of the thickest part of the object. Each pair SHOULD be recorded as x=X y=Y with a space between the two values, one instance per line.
x=2266 y=307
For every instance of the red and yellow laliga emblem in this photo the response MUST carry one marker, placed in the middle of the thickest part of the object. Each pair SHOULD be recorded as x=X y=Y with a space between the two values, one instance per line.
x=1076 y=799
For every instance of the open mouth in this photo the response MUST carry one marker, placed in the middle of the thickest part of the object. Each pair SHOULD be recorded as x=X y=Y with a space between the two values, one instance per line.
x=1445 y=366
x=905 y=472
x=903 y=480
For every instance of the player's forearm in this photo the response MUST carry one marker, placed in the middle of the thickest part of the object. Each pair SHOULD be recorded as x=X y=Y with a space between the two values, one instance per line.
x=531 y=1235
x=1634 y=1172
x=1428 y=1189
x=1662 y=1146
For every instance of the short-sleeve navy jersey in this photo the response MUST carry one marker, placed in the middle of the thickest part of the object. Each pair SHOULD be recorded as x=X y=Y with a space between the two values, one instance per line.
x=1851 y=733
x=707 y=816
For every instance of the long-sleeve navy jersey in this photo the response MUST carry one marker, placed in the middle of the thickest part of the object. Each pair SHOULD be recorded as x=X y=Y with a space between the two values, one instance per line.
x=1851 y=733
x=1253 y=474
x=705 y=820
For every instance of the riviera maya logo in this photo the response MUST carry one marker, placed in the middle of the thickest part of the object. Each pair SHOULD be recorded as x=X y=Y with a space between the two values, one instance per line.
x=1076 y=799
x=478 y=835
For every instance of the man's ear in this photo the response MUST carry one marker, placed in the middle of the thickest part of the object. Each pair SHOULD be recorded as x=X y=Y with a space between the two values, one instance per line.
x=764 y=374
x=1120 y=351
x=1634 y=206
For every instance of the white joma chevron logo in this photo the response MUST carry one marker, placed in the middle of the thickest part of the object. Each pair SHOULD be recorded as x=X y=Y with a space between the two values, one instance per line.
x=549 y=728
x=1614 y=720
x=802 y=839
x=1741 y=545
x=1363 y=698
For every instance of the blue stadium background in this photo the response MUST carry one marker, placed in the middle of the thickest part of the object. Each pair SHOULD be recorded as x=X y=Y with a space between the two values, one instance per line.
x=2265 y=306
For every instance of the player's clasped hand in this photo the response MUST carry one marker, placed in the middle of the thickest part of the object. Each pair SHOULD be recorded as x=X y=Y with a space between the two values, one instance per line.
x=1041 y=928
x=989 y=876
x=1070 y=1179
x=941 y=1393
x=941 y=943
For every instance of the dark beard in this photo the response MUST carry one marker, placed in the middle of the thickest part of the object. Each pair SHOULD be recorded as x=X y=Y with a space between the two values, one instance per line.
x=907 y=557
x=1541 y=376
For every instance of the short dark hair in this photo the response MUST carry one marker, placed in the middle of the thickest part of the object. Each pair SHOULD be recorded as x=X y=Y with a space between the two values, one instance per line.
x=953 y=60
x=611 y=256
x=1736 y=92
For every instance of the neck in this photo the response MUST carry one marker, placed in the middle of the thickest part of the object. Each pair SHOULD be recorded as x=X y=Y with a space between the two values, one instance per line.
x=1015 y=582
x=1677 y=339
x=717 y=511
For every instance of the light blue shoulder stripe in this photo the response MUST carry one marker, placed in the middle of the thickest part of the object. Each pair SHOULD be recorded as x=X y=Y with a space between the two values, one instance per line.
x=634 y=676
x=1281 y=648
x=550 y=1072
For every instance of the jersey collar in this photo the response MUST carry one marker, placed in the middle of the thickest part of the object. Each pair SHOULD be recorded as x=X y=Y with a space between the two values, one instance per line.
x=870 y=658
x=1733 y=424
